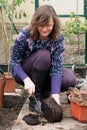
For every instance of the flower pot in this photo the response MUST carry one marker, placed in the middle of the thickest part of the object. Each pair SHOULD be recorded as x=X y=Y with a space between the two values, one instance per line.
x=80 y=71
x=10 y=83
x=2 y=86
x=78 y=112
x=4 y=67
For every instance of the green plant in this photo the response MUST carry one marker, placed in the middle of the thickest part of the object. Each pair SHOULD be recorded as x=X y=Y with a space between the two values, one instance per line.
x=8 y=5
x=7 y=9
x=75 y=25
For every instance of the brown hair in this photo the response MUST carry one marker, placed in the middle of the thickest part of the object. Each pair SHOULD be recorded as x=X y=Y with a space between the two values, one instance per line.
x=41 y=17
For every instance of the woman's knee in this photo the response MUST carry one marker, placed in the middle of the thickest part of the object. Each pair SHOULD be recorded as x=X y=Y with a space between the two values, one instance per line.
x=43 y=59
x=71 y=82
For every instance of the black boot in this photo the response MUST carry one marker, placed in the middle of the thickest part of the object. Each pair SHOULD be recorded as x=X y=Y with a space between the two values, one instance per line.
x=39 y=78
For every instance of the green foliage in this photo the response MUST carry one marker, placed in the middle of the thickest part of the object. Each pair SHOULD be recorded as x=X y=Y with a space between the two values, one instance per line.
x=18 y=2
x=6 y=2
x=9 y=9
x=8 y=6
x=75 y=25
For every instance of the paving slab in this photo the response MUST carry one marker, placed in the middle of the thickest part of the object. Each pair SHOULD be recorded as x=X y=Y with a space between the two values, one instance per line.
x=68 y=123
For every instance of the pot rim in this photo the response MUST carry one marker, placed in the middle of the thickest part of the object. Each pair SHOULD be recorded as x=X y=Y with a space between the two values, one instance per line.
x=71 y=100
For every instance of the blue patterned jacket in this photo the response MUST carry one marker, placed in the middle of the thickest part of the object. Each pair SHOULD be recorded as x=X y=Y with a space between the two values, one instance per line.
x=24 y=47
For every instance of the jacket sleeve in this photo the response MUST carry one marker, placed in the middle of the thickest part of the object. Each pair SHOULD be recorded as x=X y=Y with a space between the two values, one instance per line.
x=18 y=54
x=57 y=57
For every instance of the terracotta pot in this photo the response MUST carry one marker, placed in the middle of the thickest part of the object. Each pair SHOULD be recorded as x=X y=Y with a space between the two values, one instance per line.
x=2 y=85
x=10 y=83
x=78 y=111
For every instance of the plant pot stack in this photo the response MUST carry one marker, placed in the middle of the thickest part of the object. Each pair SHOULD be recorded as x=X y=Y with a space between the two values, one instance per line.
x=10 y=83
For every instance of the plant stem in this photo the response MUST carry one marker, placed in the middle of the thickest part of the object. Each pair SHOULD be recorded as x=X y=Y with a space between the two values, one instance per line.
x=10 y=36
x=78 y=38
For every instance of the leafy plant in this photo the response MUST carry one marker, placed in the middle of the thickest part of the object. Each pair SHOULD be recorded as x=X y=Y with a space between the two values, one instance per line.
x=7 y=9
x=8 y=4
x=75 y=25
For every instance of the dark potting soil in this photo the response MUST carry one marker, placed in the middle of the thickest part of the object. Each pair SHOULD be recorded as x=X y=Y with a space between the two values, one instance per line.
x=11 y=109
x=32 y=119
x=51 y=110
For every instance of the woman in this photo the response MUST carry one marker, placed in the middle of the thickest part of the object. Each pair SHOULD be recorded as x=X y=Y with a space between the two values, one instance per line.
x=36 y=60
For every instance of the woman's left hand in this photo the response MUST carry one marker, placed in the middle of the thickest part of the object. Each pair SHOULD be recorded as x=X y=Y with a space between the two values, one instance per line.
x=56 y=97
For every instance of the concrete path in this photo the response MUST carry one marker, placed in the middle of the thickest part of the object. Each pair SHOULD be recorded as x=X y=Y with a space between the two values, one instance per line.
x=68 y=123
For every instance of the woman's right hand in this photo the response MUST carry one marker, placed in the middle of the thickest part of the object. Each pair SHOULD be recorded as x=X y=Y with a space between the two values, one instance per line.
x=29 y=86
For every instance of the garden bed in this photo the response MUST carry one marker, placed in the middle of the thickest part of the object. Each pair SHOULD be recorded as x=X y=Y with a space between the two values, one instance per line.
x=12 y=107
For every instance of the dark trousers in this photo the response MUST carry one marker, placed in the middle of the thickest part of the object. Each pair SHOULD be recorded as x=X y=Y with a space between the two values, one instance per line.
x=41 y=60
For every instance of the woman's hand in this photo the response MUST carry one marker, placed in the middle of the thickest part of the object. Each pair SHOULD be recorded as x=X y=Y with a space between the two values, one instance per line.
x=56 y=97
x=29 y=86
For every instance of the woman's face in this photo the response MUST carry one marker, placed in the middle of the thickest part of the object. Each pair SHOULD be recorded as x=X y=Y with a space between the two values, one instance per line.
x=45 y=30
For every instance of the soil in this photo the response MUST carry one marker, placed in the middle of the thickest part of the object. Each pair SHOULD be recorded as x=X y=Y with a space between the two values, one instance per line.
x=78 y=97
x=11 y=109
x=51 y=110
x=32 y=119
